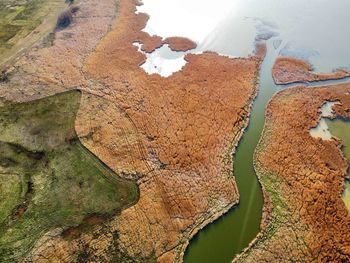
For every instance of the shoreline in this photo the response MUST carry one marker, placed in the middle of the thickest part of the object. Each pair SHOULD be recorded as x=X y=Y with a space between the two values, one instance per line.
x=272 y=218
x=291 y=70
x=261 y=48
x=267 y=205
x=267 y=220
x=236 y=138
x=214 y=211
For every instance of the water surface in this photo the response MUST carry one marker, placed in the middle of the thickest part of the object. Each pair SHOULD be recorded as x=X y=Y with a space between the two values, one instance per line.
x=341 y=129
x=315 y=30
x=322 y=130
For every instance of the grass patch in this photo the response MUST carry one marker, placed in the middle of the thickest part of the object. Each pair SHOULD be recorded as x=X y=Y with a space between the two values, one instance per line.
x=18 y=17
x=52 y=180
x=280 y=208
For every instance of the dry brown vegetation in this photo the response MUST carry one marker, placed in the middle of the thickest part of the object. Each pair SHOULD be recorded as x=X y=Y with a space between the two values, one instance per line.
x=180 y=43
x=174 y=135
x=289 y=70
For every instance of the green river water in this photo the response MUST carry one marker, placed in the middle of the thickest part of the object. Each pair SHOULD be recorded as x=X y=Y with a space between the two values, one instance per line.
x=227 y=236
x=341 y=129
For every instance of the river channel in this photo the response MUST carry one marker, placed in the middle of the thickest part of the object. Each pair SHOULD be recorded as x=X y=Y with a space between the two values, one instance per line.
x=226 y=237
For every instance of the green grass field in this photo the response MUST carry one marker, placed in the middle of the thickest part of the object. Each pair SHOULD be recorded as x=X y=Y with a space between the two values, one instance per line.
x=18 y=18
x=24 y=22
x=47 y=178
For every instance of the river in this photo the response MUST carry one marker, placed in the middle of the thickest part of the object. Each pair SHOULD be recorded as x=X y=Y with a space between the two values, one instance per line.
x=226 y=237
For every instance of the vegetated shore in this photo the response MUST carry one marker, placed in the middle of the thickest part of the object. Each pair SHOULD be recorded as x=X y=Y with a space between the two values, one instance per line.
x=230 y=152
x=173 y=135
x=303 y=178
x=121 y=121
x=287 y=70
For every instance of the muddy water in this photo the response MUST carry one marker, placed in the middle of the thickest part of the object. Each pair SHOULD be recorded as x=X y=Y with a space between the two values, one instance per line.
x=341 y=130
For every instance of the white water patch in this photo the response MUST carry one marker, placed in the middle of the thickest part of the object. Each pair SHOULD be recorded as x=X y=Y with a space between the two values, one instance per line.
x=157 y=62
x=203 y=22
x=315 y=29
x=193 y=19
x=322 y=129
x=327 y=109
x=162 y=61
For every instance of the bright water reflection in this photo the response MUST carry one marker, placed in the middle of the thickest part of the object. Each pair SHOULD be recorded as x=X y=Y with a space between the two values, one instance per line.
x=322 y=130
x=316 y=30
x=162 y=61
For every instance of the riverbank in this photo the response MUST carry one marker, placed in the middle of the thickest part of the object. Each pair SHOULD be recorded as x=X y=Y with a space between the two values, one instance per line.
x=300 y=196
x=236 y=229
x=261 y=51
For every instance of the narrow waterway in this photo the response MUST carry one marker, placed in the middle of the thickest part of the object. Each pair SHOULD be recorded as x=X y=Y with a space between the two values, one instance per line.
x=220 y=241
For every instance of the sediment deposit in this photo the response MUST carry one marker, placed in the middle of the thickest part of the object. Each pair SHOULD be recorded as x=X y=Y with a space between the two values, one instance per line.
x=290 y=70
x=304 y=180
x=173 y=135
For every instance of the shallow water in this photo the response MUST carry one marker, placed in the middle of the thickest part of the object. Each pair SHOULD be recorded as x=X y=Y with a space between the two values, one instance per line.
x=162 y=61
x=315 y=30
x=322 y=129
x=326 y=130
x=341 y=129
